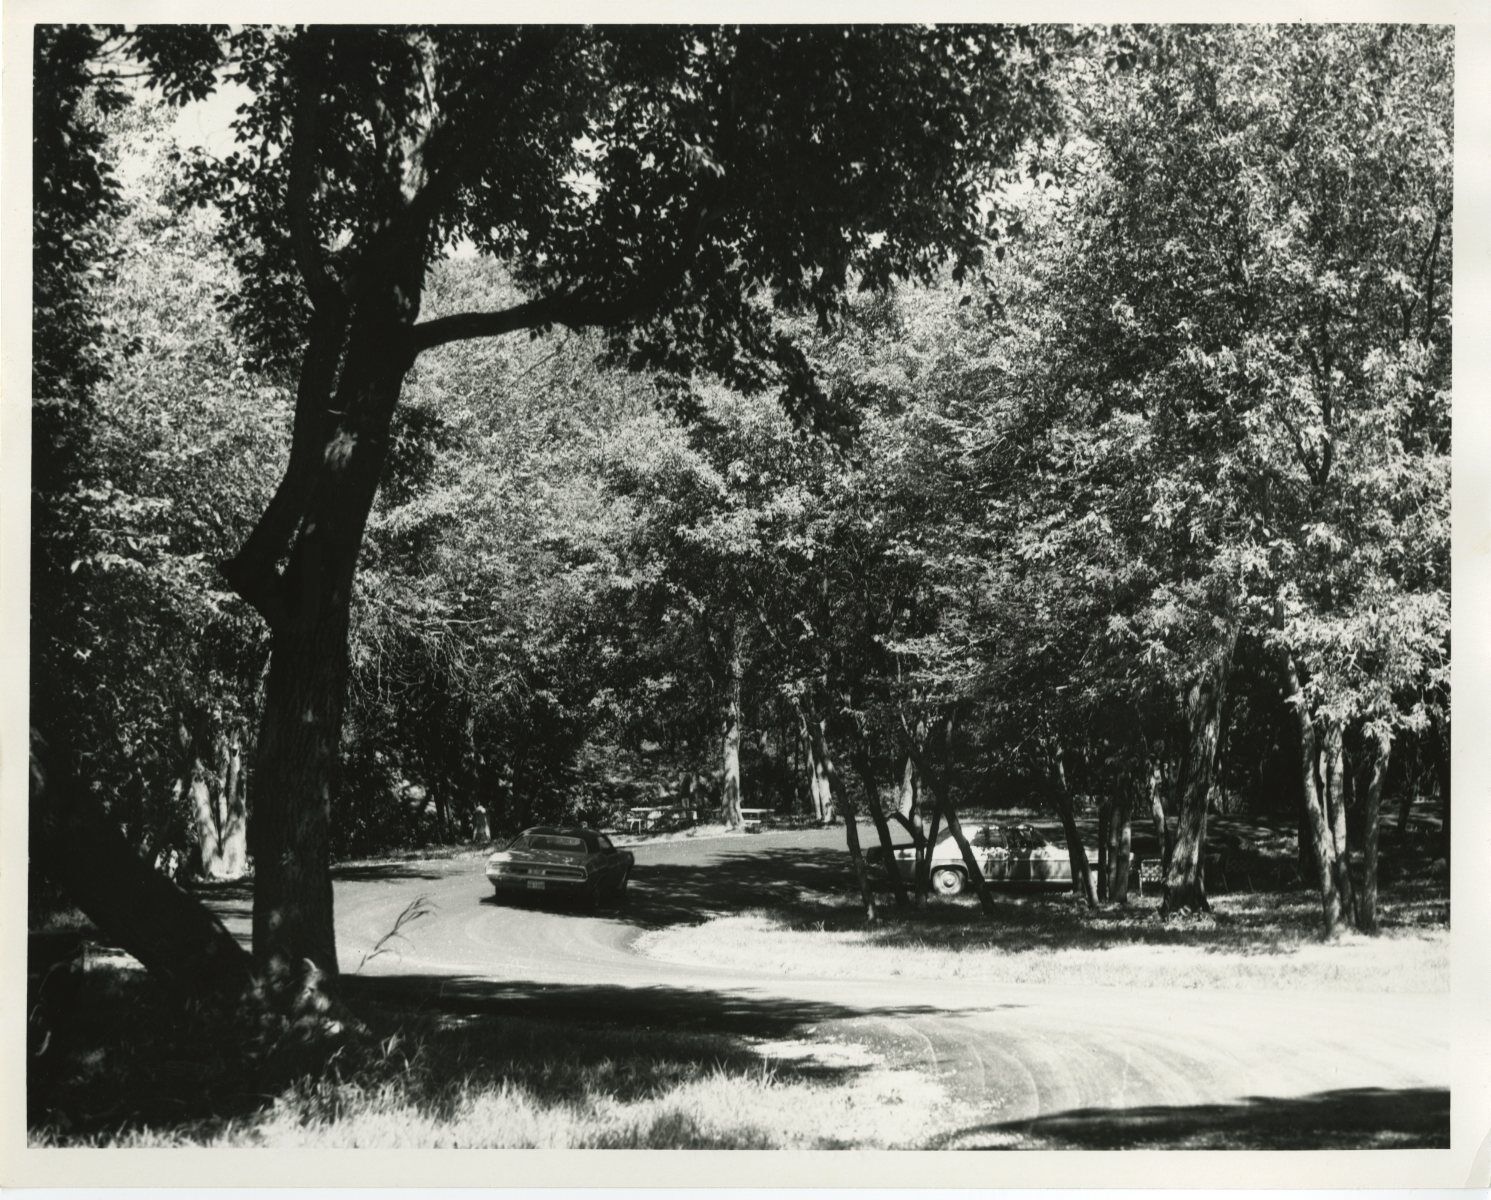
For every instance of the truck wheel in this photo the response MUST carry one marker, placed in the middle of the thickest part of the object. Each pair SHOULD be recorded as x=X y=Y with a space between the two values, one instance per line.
x=947 y=881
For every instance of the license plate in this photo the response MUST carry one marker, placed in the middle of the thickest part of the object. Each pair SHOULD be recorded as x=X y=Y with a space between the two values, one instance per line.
x=535 y=883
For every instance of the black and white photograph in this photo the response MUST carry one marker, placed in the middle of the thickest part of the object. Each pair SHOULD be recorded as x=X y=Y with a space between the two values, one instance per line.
x=779 y=585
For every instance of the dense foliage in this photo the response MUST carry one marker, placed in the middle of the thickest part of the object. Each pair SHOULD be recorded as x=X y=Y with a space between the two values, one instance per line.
x=1191 y=422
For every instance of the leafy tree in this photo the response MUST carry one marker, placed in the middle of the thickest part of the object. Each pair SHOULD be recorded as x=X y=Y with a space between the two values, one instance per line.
x=1243 y=393
x=671 y=185
x=103 y=555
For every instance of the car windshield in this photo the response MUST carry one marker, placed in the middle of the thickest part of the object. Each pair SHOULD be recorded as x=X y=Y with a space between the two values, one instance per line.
x=549 y=841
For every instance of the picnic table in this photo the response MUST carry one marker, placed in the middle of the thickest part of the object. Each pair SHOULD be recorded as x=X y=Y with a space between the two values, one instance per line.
x=642 y=817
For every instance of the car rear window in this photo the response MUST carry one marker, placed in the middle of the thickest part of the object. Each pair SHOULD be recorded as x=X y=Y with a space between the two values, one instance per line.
x=549 y=841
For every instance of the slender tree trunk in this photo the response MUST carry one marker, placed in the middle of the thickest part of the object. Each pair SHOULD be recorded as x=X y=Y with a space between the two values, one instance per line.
x=851 y=824
x=234 y=843
x=1061 y=799
x=1105 y=846
x=76 y=845
x=1405 y=807
x=1335 y=797
x=851 y=838
x=906 y=799
x=924 y=857
x=1306 y=859
x=1314 y=813
x=818 y=780
x=882 y=828
x=949 y=813
x=1157 y=814
x=786 y=777
x=730 y=785
x=1185 y=886
x=204 y=811
x=1379 y=748
x=1121 y=837
x=1442 y=763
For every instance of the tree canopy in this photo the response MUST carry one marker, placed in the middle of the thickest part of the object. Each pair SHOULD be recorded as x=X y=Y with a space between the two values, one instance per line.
x=1065 y=410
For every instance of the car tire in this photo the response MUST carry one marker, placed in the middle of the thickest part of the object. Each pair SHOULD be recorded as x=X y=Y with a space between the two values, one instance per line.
x=947 y=881
x=619 y=895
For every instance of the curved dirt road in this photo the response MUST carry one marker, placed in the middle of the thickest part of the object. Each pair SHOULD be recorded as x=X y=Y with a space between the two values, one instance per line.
x=1022 y=1064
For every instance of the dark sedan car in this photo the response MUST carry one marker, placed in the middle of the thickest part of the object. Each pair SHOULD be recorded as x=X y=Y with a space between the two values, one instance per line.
x=561 y=860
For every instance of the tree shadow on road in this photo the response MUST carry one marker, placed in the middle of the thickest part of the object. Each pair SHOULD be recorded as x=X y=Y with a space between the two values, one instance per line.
x=128 y=1065
x=726 y=1011
x=796 y=883
x=799 y=884
x=1349 y=1118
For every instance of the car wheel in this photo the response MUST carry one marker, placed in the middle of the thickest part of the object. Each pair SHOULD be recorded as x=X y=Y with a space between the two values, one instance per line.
x=947 y=881
x=619 y=895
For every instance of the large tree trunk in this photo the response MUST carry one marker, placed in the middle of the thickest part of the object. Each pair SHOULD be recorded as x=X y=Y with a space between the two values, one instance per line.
x=1061 y=800
x=1320 y=840
x=339 y=446
x=75 y=845
x=730 y=781
x=1185 y=886
x=1379 y=748
x=299 y=742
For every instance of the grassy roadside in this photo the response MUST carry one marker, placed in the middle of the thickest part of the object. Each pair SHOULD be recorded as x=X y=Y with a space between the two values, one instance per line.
x=1262 y=941
x=114 y=1063
x=129 y=1069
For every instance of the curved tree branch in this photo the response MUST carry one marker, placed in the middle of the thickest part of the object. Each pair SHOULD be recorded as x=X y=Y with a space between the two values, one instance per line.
x=579 y=307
